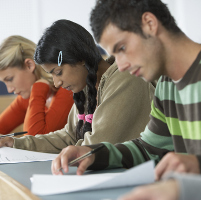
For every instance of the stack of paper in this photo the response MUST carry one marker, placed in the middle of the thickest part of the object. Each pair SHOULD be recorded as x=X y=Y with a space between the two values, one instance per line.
x=12 y=155
x=50 y=184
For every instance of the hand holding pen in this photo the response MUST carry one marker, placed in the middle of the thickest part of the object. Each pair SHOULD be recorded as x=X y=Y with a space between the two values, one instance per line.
x=82 y=155
x=7 y=140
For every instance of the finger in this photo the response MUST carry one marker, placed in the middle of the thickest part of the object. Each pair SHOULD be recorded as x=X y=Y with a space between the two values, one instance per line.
x=56 y=170
x=162 y=166
x=85 y=164
x=7 y=141
x=69 y=153
x=173 y=164
x=181 y=168
x=2 y=142
x=160 y=170
x=65 y=160
x=56 y=166
x=66 y=155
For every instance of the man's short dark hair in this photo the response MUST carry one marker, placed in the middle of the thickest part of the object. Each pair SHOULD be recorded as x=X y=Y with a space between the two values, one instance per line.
x=127 y=15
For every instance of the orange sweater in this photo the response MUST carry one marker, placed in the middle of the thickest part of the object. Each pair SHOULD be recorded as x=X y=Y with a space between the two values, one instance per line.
x=37 y=118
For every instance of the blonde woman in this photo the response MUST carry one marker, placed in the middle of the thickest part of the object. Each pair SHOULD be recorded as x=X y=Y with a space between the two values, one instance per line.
x=39 y=105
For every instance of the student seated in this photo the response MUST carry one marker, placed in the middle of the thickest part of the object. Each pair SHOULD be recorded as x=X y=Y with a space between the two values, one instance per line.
x=39 y=105
x=154 y=47
x=109 y=105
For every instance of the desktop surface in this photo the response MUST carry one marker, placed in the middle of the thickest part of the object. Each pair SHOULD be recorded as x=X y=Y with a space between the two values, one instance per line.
x=22 y=172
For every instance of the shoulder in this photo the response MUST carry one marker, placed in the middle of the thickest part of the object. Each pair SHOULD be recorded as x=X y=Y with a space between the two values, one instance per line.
x=40 y=86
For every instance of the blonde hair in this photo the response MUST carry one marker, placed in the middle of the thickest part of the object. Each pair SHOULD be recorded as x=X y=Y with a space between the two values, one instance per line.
x=13 y=52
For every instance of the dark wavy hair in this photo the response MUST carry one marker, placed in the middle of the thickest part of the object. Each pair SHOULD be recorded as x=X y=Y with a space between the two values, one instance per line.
x=127 y=15
x=77 y=45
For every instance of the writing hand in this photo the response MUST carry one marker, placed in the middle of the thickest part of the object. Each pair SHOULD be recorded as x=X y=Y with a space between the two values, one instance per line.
x=68 y=154
x=166 y=190
x=6 y=142
x=178 y=163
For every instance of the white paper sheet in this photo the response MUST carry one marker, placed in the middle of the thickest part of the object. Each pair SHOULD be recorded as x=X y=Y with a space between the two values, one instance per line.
x=12 y=155
x=50 y=184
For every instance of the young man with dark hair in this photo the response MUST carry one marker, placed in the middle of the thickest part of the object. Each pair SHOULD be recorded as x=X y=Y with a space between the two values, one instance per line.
x=145 y=40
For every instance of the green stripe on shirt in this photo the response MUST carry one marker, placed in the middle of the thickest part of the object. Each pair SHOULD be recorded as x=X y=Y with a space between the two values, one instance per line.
x=115 y=157
x=183 y=96
x=186 y=129
x=157 y=140
x=155 y=112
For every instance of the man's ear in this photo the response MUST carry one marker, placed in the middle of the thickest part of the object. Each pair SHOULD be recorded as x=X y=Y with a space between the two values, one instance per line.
x=150 y=24
x=30 y=64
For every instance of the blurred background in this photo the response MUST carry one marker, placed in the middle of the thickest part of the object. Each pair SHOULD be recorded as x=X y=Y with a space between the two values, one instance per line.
x=29 y=18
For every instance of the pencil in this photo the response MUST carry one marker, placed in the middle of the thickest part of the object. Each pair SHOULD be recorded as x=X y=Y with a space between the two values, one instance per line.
x=84 y=156
x=13 y=134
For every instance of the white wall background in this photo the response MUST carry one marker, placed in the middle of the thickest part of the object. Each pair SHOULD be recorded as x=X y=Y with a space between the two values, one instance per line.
x=29 y=18
x=187 y=14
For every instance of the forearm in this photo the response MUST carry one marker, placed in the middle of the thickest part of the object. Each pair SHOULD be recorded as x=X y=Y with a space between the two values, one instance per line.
x=35 y=121
x=13 y=115
x=39 y=119
x=53 y=142
x=124 y=155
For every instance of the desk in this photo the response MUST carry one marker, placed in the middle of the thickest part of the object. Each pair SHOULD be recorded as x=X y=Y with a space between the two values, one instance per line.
x=22 y=172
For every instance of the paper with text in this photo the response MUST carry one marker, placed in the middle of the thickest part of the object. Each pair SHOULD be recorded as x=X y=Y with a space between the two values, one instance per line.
x=12 y=155
x=51 y=184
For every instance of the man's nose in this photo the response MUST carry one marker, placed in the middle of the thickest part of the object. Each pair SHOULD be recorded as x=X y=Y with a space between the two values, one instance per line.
x=122 y=65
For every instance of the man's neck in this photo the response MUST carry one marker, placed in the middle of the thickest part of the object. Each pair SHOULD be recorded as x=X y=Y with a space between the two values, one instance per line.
x=180 y=53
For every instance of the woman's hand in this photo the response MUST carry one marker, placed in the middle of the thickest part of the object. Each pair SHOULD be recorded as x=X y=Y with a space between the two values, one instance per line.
x=50 y=93
x=68 y=154
x=6 y=142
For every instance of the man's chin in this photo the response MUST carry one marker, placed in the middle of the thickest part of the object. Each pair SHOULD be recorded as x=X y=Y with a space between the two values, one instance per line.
x=144 y=79
x=150 y=79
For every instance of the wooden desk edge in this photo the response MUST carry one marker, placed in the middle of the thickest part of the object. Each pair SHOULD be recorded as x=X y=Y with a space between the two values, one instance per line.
x=19 y=188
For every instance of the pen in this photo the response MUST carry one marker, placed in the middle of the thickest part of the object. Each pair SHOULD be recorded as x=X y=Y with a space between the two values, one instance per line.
x=13 y=134
x=84 y=156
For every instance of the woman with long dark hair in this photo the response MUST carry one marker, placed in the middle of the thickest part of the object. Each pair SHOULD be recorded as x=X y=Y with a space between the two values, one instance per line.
x=109 y=106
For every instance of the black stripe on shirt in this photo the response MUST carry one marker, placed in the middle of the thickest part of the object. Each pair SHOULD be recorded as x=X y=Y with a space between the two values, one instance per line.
x=141 y=148
x=127 y=158
x=158 y=127
x=101 y=158
x=154 y=150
